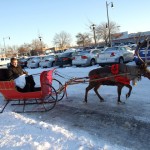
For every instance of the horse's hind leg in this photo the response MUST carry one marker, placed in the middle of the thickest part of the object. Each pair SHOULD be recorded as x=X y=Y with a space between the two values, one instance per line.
x=86 y=92
x=96 y=91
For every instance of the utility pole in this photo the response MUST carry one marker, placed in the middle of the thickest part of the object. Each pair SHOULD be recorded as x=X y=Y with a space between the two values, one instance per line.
x=93 y=28
x=5 y=44
x=108 y=23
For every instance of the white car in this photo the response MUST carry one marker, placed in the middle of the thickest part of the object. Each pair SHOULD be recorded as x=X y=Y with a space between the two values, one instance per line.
x=113 y=55
x=47 y=61
x=85 y=57
x=4 y=61
x=34 y=62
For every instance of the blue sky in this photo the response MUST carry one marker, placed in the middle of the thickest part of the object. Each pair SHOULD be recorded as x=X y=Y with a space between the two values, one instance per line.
x=24 y=20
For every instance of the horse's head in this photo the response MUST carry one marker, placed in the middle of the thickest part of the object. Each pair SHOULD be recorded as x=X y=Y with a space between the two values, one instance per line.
x=143 y=66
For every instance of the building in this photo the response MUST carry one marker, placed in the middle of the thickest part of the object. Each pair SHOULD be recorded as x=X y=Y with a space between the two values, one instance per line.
x=125 y=38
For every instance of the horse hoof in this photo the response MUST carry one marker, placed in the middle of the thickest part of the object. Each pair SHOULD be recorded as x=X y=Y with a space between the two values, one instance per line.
x=85 y=102
x=122 y=103
x=127 y=96
x=102 y=100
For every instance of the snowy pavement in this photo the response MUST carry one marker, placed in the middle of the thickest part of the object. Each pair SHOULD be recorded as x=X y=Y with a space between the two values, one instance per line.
x=73 y=124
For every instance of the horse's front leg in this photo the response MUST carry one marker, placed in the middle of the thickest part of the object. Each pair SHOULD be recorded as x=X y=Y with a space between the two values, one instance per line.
x=120 y=86
x=130 y=89
x=96 y=91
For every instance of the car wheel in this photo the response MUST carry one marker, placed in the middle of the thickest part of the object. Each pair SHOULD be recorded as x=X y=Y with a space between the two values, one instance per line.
x=121 y=60
x=102 y=65
x=92 y=63
x=138 y=63
x=52 y=64
x=78 y=65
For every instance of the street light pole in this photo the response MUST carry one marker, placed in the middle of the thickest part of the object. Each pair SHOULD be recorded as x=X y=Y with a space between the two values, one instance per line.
x=4 y=43
x=108 y=23
x=93 y=28
x=41 y=43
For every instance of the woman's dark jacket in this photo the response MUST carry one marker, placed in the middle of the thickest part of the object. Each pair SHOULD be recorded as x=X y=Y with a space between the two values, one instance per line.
x=14 y=72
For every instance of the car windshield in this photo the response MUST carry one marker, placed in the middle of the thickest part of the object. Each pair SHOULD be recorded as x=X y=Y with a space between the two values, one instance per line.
x=111 y=49
x=48 y=57
x=65 y=55
x=128 y=48
x=35 y=58
x=83 y=52
x=145 y=48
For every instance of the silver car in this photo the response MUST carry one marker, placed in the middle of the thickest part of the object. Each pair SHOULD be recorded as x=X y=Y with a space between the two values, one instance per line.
x=113 y=55
x=34 y=62
x=48 y=61
x=86 y=57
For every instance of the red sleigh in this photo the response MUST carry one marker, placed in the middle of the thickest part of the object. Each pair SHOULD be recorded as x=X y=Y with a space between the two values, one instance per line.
x=43 y=100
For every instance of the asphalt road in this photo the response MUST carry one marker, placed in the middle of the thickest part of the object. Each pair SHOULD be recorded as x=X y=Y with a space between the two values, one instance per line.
x=114 y=127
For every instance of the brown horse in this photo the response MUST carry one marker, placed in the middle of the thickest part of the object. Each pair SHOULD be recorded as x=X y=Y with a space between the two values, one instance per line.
x=120 y=77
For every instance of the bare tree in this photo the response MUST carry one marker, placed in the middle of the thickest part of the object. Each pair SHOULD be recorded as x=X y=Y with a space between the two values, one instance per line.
x=102 y=31
x=12 y=51
x=22 y=50
x=83 y=39
x=62 y=40
x=37 y=46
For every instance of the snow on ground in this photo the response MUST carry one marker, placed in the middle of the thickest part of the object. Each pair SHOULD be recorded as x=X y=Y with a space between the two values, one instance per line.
x=51 y=130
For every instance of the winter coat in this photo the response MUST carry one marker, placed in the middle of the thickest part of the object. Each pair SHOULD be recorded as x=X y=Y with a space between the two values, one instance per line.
x=14 y=72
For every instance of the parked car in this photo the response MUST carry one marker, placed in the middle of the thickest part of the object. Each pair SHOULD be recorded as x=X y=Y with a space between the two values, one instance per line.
x=86 y=57
x=133 y=46
x=4 y=61
x=144 y=54
x=33 y=62
x=23 y=61
x=64 y=59
x=47 y=61
x=113 y=55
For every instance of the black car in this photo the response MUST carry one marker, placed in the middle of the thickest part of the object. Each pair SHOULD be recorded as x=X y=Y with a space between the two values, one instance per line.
x=145 y=56
x=64 y=59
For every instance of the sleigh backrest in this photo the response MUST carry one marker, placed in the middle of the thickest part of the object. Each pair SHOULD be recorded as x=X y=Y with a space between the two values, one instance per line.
x=46 y=80
x=3 y=74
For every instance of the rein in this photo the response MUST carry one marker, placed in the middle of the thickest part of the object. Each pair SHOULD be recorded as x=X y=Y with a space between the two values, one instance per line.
x=99 y=79
x=69 y=77
x=56 y=73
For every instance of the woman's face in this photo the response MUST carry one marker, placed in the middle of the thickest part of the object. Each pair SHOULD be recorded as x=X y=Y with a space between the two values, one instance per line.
x=14 y=63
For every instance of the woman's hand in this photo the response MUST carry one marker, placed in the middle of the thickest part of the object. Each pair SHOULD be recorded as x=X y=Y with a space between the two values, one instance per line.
x=26 y=72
